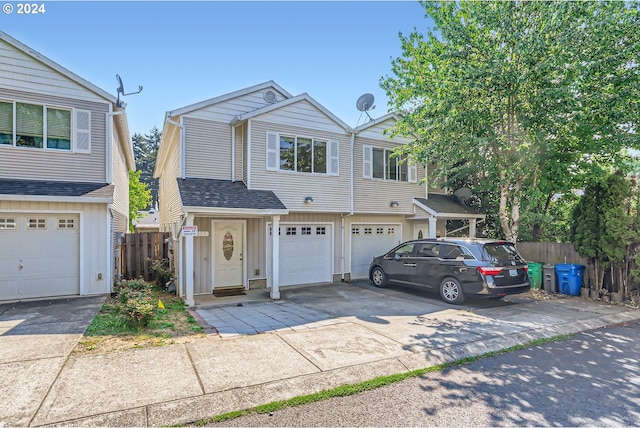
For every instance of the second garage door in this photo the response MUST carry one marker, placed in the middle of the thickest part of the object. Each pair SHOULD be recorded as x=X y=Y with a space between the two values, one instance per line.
x=369 y=241
x=39 y=255
x=306 y=254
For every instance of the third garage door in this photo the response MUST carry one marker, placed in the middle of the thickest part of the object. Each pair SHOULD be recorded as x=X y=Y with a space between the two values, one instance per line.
x=368 y=241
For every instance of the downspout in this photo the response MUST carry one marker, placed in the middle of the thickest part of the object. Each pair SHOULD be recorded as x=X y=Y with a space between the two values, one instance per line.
x=182 y=146
x=233 y=153
x=351 y=207
x=108 y=154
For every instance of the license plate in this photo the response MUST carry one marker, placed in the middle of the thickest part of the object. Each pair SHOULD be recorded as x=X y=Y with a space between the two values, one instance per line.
x=513 y=272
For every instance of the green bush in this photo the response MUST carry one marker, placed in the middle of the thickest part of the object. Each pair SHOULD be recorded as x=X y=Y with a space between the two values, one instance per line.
x=137 y=300
x=161 y=271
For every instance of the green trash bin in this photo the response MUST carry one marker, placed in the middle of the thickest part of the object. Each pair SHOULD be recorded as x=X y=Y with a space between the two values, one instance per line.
x=535 y=274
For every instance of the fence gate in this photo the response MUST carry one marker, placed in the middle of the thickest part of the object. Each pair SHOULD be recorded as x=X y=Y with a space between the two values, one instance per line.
x=140 y=250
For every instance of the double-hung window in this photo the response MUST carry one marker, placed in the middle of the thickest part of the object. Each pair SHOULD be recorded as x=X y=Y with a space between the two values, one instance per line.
x=41 y=126
x=382 y=164
x=301 y=154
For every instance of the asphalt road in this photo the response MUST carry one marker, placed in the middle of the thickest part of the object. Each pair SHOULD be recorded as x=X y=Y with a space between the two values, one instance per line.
x=592 y=379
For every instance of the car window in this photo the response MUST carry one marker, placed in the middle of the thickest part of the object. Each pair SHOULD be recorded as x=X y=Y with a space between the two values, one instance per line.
x=403 y=251
x=502 y=252
x=425 y=249
x=449 y=252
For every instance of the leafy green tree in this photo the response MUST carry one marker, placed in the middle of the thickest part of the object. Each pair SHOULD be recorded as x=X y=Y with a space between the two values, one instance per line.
x=529 y=99
x=139 y=197
x=145 y=151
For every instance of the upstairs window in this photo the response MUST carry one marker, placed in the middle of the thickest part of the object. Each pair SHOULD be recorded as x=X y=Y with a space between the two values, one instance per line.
x=380 y=163
x=41 y=126
x=301 y=154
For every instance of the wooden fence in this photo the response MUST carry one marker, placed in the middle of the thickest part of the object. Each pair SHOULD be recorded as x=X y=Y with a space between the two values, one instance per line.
x=140 y=250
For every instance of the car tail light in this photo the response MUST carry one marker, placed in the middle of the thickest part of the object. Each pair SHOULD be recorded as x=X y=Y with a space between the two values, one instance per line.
x=489 y=270
x=526 y=268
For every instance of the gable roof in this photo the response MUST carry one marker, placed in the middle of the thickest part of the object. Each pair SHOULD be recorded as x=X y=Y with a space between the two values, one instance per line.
x=287 y=102
x=225 y=97
x=376 y=122
x=57 y=67
x=446 y=206
x=226 y=194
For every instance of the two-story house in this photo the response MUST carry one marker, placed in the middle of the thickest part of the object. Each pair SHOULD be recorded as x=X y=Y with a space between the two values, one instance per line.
x=235 y=168
x=65 y=154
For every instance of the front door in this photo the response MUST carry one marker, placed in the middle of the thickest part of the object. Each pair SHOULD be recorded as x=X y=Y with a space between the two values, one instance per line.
x=228 y=253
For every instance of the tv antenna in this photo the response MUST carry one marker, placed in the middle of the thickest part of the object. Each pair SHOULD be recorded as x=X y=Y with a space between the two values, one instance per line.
x=120 y=90
x=365 y=103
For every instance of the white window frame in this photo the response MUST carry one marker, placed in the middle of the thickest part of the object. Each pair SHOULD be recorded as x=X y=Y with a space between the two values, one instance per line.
x=33 y=223
x=8 y=223
x=367 y=166
x=273 y=158
x=77 y=131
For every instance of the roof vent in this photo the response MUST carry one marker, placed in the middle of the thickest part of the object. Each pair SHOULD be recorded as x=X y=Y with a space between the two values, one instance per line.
x=270 y=97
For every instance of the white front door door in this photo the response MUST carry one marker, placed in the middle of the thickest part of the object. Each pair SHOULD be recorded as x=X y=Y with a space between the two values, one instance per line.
x=228 y=253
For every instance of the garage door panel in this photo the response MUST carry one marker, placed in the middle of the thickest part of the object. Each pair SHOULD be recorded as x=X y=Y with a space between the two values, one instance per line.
x=369 y=241
x=40 y=257
x=305 y=254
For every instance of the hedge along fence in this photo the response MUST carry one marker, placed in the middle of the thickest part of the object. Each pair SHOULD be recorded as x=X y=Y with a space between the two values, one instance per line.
x=551 y=253
x=140 y=250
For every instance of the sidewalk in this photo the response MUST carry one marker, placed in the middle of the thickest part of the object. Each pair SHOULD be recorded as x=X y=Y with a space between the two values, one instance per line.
x=315 y=338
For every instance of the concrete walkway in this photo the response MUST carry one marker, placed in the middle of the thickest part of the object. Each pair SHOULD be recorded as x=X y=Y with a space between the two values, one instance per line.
x=259 y=351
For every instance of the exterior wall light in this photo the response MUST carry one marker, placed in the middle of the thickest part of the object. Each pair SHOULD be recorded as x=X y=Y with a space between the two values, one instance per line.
x=394 y=204
x=308 y=199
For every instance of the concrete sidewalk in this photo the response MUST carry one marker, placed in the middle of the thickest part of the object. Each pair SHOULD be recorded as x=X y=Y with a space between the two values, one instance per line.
x=315 y=338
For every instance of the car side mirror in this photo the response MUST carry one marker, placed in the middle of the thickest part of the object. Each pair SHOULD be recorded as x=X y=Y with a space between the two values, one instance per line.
x=396 y=257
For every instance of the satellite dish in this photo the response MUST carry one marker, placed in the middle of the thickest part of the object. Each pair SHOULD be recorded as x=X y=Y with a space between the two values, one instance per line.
x=365 y=103
x=463 y=194
x=270 y=97
x=120 y=90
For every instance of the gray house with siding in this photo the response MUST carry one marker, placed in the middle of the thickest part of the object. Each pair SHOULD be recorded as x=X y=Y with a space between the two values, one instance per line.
x=65 y=153
x=242 y=165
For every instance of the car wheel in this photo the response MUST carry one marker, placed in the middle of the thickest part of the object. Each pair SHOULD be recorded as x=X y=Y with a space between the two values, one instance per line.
x=378 y=277
x=451 y=291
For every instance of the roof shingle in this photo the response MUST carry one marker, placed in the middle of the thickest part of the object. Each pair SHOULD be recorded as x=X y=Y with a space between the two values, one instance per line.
x=55 y=188
x=201 y=192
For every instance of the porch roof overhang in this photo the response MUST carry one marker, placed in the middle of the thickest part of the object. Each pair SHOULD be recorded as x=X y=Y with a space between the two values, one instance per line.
x=55 y=191
x=446 y=207
x=227 y=198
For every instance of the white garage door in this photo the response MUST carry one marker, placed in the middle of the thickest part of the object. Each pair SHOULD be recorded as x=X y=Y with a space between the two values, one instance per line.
x=39 y=255
x=369 y=241
x=306 y=254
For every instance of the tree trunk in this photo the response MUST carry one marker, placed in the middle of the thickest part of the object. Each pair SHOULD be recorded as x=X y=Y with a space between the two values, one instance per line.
x=502 y=212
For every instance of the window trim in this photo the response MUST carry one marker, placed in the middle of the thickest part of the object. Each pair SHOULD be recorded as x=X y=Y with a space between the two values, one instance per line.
x=367 y=165
x=274 y=159
x=5 y=222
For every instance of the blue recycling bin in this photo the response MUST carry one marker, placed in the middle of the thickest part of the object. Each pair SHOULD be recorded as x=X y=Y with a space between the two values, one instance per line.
x=569 y=278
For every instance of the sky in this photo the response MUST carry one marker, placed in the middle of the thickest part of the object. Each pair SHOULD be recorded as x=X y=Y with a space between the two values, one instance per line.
x=186 y=52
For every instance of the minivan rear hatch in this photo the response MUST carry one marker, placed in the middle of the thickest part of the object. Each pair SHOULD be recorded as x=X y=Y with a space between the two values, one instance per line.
x=505 y=255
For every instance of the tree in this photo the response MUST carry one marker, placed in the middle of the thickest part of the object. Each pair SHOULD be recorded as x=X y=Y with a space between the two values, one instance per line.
x=145 y=151
x=603 y=227
x=139 y=197
x=529 y=99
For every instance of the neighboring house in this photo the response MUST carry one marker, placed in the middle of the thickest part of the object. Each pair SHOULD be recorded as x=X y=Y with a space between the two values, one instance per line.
x=243 y=164
x=148 y=222
x=65 y=153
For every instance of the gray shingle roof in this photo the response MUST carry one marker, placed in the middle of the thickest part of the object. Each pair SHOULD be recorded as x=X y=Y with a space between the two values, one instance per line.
x=201 y=192
x=55 y=188
x=448 y=204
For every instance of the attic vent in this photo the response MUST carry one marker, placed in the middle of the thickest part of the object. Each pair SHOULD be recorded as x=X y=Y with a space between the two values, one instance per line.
x=270 y=97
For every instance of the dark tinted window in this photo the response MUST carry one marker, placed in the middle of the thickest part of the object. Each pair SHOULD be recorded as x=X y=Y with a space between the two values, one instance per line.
x=503 y=252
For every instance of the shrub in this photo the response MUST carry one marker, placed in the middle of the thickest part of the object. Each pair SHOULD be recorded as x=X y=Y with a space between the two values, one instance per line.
x=161 y=271
x=137 y=302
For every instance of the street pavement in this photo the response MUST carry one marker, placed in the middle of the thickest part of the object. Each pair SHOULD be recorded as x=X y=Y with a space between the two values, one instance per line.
x=258 y=351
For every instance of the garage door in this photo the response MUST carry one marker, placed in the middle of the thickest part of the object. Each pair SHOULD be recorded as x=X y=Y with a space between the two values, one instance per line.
x=368 y=241
x=306 y=254
x=39 y=255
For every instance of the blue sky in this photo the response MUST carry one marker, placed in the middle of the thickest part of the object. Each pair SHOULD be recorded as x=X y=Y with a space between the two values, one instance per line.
x=186 y=52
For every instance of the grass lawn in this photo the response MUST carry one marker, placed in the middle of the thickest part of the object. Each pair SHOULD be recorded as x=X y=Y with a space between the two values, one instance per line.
x=113 y=329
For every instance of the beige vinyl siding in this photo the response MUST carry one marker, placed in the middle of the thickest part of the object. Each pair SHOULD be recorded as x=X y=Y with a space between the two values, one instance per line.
x=22 y=72
x=170 y=204
x=208 y=149
x=94 y=235
x=202 y=257
x=43 y=164
x=245 y=155
x=225 y=111
x=120 y=178
x=330 y=193
x=375 y=195
x=303 y=115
